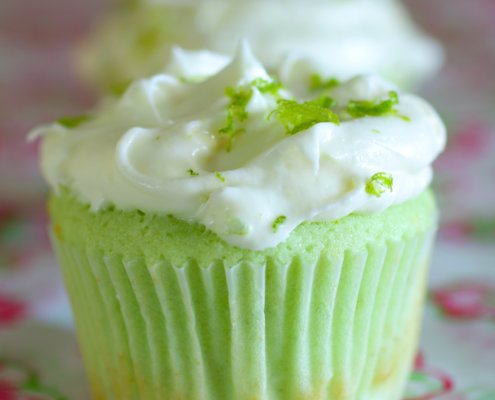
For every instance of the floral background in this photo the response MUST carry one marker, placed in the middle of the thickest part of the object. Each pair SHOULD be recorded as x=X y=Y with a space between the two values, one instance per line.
x=38 y=352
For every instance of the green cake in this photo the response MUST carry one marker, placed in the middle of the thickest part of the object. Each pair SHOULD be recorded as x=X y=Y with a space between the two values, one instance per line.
x=229 y=238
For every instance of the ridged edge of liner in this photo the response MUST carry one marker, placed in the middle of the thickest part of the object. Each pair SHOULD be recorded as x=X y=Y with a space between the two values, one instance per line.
x=341 y=328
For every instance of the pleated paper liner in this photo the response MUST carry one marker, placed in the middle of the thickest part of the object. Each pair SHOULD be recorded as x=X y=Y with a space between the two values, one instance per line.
x=343 y=327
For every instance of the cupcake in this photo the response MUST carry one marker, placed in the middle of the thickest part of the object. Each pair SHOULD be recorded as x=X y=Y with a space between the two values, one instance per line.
x=223 y=237
x=341 y=38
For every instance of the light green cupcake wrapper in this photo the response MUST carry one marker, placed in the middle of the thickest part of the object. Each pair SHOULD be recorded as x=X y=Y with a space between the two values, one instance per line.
x=341 y=328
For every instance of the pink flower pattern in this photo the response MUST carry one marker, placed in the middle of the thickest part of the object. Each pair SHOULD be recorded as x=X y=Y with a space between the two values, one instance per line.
x=19 y=383
x=466 y=300
x=427 y=382
x=38 y=83
x=11 y=310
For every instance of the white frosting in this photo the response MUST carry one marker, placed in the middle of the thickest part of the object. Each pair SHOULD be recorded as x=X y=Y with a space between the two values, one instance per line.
x=137 y=154
x=341 y=38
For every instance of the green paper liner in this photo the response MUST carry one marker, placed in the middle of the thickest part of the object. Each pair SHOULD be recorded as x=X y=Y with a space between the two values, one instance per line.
x=340 y=328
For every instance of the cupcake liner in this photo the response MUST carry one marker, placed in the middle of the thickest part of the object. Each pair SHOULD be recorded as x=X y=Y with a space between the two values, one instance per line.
x=343 y=327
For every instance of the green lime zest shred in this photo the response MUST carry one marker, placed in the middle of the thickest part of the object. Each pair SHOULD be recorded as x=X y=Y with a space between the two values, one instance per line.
x=192 y=172
x=373 y=108
x=265 y=86
x=297 y=117
x=236 y=111
x=317 y=82
x=326 y=102
x=278 y=221
x=220 y=177
x=73 y=121
x=239 y=99
x=379 y=183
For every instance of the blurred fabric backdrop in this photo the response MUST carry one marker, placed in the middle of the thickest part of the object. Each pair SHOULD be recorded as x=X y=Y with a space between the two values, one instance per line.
x=38 y=83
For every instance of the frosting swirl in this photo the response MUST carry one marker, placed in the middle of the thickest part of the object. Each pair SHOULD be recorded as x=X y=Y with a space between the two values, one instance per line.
x=161 y=149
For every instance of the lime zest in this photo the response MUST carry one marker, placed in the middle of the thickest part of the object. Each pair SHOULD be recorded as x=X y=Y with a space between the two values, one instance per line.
x=374 y=108
x=236 y=111
x=239 y=99
x=379 y=183
x=317 y=82
x=73 y=121
x=220 y=177
x=192 y=172
x=265 y=86
x=277 y=222
x=326 y=102
x=297 y=117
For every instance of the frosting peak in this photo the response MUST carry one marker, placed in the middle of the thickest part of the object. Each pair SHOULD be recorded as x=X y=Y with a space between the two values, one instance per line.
x=227 y=146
